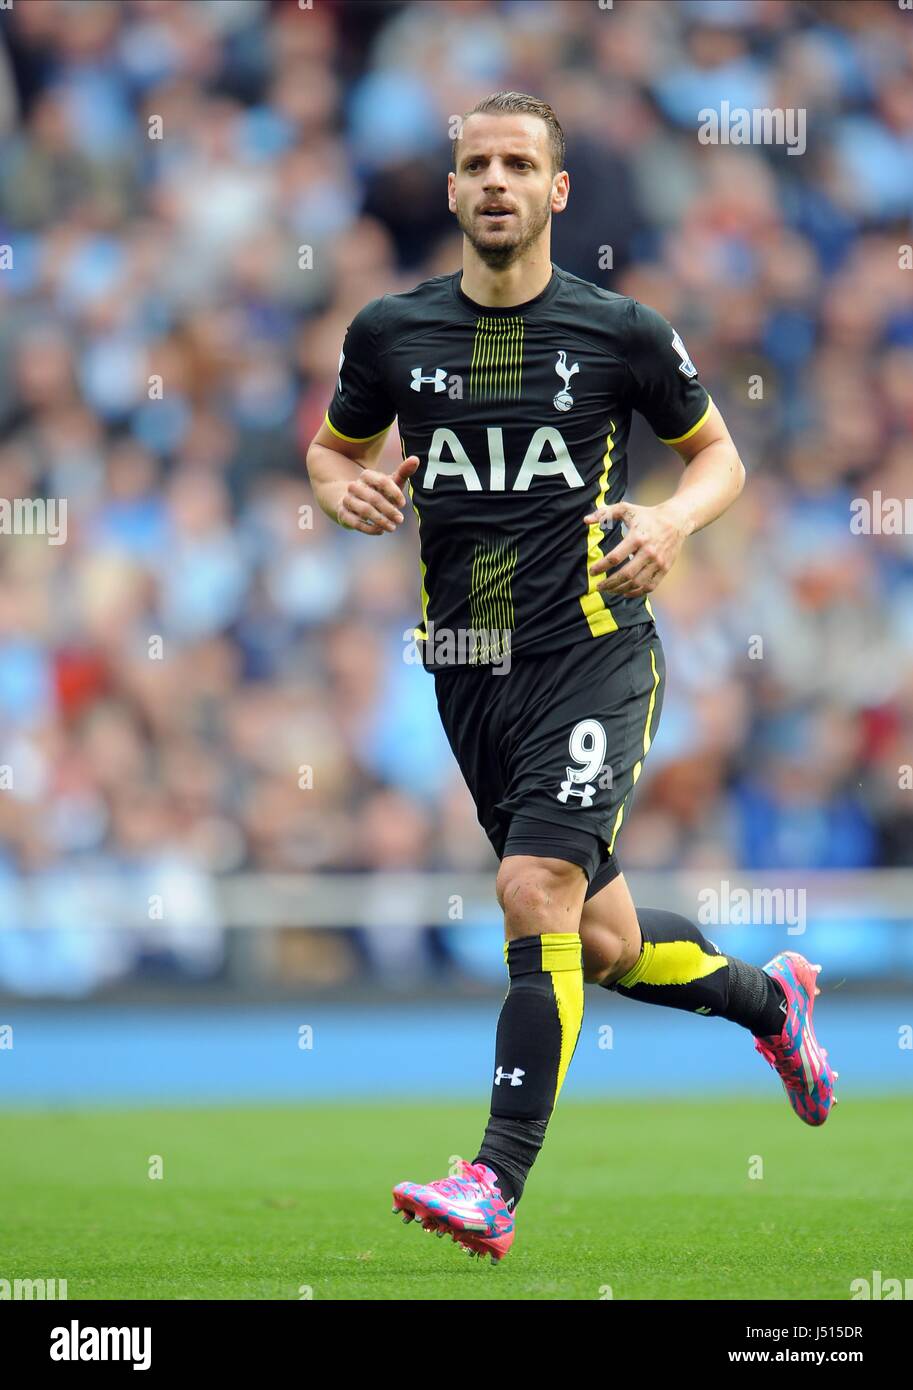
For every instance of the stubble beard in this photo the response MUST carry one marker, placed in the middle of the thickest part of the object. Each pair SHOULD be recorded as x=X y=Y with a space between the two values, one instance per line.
x=501 y=256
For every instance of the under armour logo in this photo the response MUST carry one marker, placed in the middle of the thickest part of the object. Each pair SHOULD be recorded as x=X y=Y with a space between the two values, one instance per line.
x=570 y=788
x=438 y=381
x=514 y=1077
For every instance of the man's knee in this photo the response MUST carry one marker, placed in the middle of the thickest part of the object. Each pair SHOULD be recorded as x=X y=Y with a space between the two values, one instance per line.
x=540 y=895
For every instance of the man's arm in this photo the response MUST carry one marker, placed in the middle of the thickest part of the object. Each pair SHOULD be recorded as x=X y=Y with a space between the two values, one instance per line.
x=339 y=460
x=713 y=478
x=349 y=490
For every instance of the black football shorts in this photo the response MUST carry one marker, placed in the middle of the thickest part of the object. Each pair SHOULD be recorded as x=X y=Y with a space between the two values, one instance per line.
x=552 y=748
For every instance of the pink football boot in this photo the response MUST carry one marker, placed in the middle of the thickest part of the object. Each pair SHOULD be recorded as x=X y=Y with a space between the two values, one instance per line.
x=468 y=1207
x=794 y=1053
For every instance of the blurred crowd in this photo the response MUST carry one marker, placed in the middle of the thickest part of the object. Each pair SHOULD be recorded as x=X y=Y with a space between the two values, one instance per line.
x=208 y=676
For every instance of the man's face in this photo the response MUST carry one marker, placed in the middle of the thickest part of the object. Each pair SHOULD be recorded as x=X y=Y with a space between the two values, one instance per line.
x=504 y=191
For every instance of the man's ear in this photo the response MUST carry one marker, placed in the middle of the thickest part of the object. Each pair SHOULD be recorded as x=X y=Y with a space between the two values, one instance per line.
x=451 y=192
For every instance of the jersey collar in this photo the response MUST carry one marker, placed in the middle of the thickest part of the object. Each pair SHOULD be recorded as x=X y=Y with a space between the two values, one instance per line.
x=487 y=311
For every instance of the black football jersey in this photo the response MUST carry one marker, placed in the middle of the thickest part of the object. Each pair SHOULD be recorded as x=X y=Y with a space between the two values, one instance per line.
x=520 y=417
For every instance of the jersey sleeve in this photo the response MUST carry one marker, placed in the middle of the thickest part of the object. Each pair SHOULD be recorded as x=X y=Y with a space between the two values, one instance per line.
x=666 y=391
x=361 y=407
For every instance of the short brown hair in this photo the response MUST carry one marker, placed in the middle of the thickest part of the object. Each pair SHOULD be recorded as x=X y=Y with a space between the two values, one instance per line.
x=511 y=103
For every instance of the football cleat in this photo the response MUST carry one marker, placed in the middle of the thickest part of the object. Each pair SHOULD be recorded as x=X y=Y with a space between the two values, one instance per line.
x=469 y=1208
x=794 y=1054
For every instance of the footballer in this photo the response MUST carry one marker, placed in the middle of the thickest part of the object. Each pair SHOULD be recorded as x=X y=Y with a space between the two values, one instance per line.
x=513 y=385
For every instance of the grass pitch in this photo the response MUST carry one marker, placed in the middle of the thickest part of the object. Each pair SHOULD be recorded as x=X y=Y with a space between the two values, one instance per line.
x=648 y=1200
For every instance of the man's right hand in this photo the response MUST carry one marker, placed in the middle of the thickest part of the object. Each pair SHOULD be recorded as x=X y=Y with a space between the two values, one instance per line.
x=371 y=502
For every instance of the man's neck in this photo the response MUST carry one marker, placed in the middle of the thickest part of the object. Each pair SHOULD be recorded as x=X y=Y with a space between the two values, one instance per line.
x=500 y=289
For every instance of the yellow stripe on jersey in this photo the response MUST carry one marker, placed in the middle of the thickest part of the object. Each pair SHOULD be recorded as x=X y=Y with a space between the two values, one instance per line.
x=491 y=606
x=419 y=633
x=353 y=438
x=496 y=368
x=598 y=615
x=693 y=430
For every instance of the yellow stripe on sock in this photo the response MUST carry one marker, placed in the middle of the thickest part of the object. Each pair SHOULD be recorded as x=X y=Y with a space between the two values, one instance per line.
x=562 y=959
x=561 y=950
x=671 y=963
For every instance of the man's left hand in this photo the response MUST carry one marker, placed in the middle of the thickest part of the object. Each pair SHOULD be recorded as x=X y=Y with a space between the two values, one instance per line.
x=646 y=554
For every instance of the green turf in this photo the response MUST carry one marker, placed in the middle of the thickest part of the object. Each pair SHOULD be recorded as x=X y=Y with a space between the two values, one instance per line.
x=653 y=1200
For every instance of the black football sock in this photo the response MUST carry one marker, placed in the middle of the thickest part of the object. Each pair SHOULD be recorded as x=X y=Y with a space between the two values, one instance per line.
x=680 y=969
x=537 y=1034
x=755 y=1000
